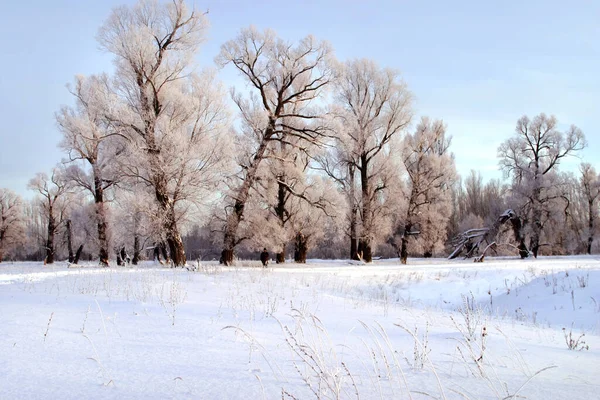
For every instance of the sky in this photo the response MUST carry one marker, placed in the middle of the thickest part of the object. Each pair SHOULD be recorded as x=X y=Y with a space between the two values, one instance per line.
x=477 y=65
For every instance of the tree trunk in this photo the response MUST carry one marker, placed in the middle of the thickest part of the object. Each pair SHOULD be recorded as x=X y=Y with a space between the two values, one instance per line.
x=136 y=250
x=163 y=249
x=234 y=219
x=50 y=239
x=591 y=213
x=70 y=241
x=157 y=253
x=280 y=257
x=517 y=226
x=404 y=243
x=280 y=211
x=300 y=248
x=176 y=248
x=404 y=249
x=78 y=254
x=365 y=237
x=353 y=215
x=100 y=219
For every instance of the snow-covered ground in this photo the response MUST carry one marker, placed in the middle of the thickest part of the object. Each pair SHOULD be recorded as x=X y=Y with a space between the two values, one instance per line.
x=432 y=329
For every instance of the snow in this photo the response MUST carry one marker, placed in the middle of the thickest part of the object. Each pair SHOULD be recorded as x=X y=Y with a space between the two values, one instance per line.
x=330 y=329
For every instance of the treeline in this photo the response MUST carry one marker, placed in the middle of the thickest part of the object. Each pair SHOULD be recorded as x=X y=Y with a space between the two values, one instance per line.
x=314 y=156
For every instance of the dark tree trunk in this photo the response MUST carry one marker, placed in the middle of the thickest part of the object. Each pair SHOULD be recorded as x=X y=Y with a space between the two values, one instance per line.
x=517 y=226
x=157 y=253
x=136 y=250
x=280 y=211
x=100 y=219
x=353 y=216
x=78 y=254
x=50 y=239
x=404 y=250
x=591 y=213
x=404 y=244
x=300 y=248
x=365 y=237
x=119 y=260
x=70 y=241
x=163 y=251
x=280 y=257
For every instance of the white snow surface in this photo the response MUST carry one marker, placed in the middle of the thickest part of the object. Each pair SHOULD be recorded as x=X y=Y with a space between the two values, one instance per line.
x=327 y=329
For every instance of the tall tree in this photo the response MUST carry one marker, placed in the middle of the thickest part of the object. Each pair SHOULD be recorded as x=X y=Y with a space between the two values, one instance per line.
x=430 y=175
x=88 y=137
x=530 y=157
x=374 y=105
x=173 y=118
x=12 y=227
x=53 y=202
x=285 y=80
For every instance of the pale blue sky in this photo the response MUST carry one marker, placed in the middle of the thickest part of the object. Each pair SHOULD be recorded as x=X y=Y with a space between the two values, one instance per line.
x=478 y=65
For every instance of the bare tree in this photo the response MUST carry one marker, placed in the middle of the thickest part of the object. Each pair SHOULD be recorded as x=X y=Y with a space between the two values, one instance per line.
x=53 y=202
x=173 y=120
x=374 y=105
x=430 y=175
x=12 y=227
x=285 y=79
x=530 y=157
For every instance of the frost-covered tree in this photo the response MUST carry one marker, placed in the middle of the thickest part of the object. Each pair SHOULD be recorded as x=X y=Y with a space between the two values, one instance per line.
x=373 y=105
x=430 y=174
x=285 y=80
x=12 y=226
x=53 y=193
x=173 y=118
x=531 y=158
x=90 y=141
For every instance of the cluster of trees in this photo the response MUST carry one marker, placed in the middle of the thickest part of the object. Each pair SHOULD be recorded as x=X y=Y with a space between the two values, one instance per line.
x=312 y=154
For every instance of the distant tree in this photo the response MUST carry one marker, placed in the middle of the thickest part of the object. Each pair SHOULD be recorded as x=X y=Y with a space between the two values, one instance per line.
x=373 y=106
x=530 y=158
x=174 y=119
x=285 y=80
x=89 y=137
x=12 y=227
x=53 y=203
x=430 y=175
x=590 y=189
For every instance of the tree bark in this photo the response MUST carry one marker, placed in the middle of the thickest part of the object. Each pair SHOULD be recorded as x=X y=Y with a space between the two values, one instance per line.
x=100 y=219
x=591 y=213
x=404 y=244
x=174 y=241
x=517 y=226
x=280 y=211
x=70 y=241
x=353 y=215
x=301 y=248
x=365 y=237
x=78 y=254
x=50 y=239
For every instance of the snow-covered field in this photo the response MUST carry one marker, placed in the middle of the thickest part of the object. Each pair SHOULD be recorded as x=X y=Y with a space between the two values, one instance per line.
x=432 y=329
